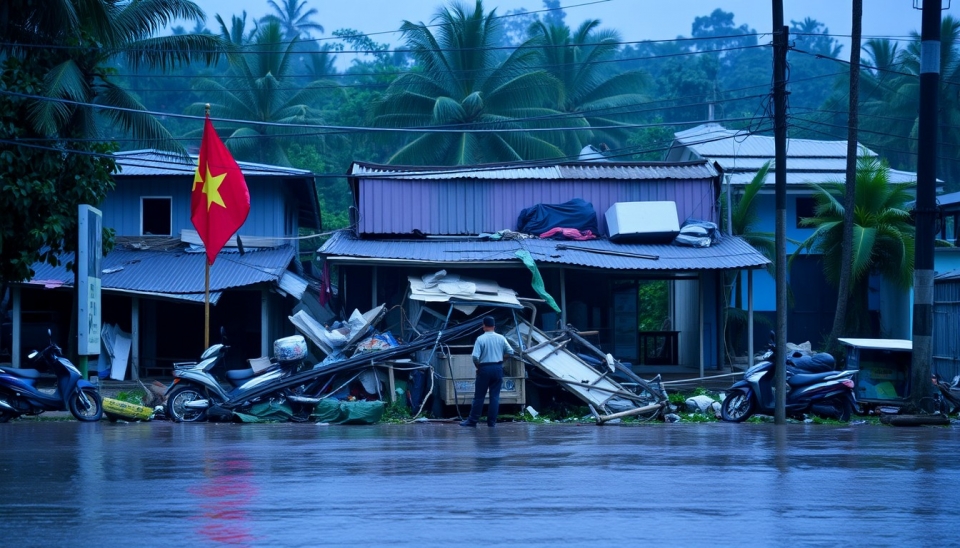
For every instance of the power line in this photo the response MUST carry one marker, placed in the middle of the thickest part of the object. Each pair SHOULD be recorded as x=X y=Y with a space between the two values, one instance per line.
x=356 y=129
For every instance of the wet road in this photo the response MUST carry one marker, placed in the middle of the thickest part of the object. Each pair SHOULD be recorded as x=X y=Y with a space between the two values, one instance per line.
x=163 y=484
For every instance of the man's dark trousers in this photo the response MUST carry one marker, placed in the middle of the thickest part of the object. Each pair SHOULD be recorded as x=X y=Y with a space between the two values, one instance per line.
x=489 y=375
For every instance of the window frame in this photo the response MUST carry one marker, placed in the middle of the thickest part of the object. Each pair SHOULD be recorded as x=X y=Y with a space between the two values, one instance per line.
x=169 y=200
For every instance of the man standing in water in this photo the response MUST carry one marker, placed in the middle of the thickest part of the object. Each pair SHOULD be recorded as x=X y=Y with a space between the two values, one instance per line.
x=488 y=354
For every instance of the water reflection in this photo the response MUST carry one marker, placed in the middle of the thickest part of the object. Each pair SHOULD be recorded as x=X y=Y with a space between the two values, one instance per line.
x=224 y=499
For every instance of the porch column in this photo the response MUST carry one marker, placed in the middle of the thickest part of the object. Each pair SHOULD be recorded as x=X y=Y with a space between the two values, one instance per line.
x=264 y=323
x=373 y=288
x=702 y=318
x=135 y=338
x=750 y=318
x=15 y=335
x=563 y=298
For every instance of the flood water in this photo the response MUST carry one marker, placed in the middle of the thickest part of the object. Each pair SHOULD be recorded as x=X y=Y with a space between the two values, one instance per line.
x=164 y=484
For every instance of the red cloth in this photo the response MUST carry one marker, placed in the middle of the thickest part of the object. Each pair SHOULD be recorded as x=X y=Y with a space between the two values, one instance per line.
x=220 y=201
x=569 y=234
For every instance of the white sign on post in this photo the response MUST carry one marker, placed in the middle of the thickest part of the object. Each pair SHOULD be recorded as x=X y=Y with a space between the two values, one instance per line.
x=89 y=257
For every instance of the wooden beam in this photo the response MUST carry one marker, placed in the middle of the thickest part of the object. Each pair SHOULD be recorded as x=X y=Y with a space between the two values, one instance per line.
x=563 y=298
x=700 y=299
x=264 y=323
x=750 y=318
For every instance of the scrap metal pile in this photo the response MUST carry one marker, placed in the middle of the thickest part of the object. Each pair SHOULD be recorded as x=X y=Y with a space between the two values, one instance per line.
x=353 y=350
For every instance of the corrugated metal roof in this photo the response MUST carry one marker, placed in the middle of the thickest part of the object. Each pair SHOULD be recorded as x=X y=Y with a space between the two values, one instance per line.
x=156 y=162
x=730 y=253
x=817 y=177
x=741 y=155
x=176 y=274
x=713 y=140
x=577 y=170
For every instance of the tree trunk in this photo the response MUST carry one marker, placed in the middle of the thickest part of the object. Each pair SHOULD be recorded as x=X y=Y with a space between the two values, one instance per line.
x=850 y=196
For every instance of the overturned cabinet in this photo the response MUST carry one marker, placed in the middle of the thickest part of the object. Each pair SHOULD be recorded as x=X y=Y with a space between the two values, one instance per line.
x=457 y=378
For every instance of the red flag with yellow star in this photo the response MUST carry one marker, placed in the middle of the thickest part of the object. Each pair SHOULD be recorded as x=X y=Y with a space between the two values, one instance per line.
x=220 y=201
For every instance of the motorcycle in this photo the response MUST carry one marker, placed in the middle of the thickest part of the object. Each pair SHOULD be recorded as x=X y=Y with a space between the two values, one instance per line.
x=19 y=394
x=195 y=391
x=949 y=394
x=812 y=387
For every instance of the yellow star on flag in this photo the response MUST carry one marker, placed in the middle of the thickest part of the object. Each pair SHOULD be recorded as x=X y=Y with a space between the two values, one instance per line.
x=211 y=186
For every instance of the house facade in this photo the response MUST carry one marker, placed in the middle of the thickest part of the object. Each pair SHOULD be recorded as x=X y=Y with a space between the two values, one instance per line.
x=152 y=282
x=737 y=157
x=411 y=221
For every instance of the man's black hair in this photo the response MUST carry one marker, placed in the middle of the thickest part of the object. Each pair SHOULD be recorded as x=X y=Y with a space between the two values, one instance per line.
x=488 y=321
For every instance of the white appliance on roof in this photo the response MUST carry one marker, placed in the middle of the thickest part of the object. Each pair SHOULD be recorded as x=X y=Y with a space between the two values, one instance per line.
x=643 y=222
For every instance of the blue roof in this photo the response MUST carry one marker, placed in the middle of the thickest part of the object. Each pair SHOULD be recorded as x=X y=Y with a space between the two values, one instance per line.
x=730 y=253
x=175 y=273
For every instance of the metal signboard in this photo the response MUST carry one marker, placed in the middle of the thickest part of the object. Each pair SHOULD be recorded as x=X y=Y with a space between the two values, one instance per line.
x=89 y=257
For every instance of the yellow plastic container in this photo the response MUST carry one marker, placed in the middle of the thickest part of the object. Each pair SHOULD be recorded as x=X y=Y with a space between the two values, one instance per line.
x=128 y=411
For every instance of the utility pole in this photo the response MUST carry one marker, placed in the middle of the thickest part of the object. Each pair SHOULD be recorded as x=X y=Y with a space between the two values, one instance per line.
x=850 y=193
x=780 y=36
x=921 y=389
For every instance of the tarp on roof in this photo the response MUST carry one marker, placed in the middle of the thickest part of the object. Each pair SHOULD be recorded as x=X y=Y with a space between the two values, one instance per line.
x=730 y=253
x=176 y=274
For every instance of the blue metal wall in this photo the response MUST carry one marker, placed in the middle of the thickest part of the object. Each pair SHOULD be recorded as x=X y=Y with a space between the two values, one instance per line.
x=270 y=214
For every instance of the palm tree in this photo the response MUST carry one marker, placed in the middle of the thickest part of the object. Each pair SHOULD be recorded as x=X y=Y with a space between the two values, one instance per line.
x=594 y=94
x=461 y=85
x=891 y=115
x=294 y=18
x=883 y=235
x=260 y=90
x=237 y=33
x=77 y=41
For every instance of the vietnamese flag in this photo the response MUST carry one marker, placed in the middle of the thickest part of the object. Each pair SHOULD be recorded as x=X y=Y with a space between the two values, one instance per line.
x=220 y=201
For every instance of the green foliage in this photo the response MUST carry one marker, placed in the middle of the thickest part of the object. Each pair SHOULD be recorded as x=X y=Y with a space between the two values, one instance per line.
x=883 y=235
x=653 y=305
x=136 y=396
x=81 y=42
x=41 y=187
x=462 y=83
x=260 y=89
x=396 y=413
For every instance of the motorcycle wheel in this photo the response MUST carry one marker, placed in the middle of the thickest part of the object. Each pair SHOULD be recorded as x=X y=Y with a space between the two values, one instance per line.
x=737 y=406
x=842 y=408
x=86 y=405
x=175 y=409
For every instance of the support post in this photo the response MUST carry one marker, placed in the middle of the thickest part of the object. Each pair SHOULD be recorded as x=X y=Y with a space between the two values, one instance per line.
x=780 y=36
x=135 y=338
x=701 y=318
x=15 y=351
x=373 y=288
x=750 y=350
x=921 y=389
x=563 y=298
x=206 y=305
x=264 y=322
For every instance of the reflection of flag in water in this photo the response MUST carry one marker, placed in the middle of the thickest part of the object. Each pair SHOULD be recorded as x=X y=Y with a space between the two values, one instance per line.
x=224 y=500
x=219 y=201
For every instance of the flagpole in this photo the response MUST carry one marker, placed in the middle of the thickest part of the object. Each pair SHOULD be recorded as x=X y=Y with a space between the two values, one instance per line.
x=206 y=282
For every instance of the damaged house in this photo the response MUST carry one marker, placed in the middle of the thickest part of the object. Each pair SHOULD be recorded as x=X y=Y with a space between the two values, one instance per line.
x=649 y=302
x=153 y=280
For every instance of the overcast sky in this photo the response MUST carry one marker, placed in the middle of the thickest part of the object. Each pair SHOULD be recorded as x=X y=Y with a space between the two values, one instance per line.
x=635 y=19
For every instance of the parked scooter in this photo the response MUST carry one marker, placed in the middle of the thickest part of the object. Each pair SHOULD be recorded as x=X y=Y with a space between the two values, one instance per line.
x=827 y=393
x=19 y=394
x=195 y=391
x=949 y=393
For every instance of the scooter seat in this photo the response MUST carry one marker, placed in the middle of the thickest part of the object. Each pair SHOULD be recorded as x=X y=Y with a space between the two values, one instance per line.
x=236 y=376
x=23 y=373
x=808 y=378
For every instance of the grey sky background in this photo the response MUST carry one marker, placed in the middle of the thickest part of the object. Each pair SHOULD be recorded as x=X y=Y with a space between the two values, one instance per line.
x=635 y=19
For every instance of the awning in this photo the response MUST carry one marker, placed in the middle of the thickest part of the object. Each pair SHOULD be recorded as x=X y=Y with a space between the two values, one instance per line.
x=175 y=274
x=731 y=253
